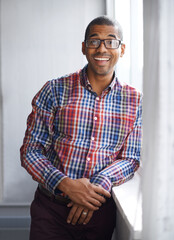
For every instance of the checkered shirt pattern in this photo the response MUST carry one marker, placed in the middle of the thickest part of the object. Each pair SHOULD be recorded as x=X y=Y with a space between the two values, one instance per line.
x=73 y=132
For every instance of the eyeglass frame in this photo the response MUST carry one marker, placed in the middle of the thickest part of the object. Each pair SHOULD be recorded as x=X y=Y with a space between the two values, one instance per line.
x=102 y=40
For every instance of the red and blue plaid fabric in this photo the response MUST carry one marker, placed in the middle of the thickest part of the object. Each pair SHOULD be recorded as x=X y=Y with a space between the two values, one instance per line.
x=73 y=132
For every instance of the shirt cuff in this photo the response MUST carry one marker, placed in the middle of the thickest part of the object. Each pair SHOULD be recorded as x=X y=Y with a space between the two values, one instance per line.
x=53 y=181
x=103 y=181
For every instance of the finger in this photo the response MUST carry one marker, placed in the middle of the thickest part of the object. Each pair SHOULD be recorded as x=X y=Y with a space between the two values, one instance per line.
x=101 y=191
x=83 y=216
x=77 y=215
x=98 y=199
x=71 y=213
x=88 y=217
x=70 y=204
x=91 y=204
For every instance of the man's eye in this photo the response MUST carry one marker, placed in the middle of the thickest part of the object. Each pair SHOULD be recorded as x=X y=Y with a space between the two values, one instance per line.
x=109 y=42
x=93 y=42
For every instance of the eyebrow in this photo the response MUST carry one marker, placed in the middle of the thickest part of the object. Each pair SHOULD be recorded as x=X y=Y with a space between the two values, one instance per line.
x=96 y=35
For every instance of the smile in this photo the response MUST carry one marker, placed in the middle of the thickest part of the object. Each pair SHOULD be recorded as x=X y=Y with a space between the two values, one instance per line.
x=101 y=59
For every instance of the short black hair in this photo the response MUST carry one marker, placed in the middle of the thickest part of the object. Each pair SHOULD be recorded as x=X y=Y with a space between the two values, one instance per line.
x=104 y=20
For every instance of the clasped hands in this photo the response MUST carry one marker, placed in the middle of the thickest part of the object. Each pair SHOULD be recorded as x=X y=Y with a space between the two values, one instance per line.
x=85 y=199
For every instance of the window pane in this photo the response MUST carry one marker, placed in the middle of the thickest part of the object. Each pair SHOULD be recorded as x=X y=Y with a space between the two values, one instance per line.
x=130 y=15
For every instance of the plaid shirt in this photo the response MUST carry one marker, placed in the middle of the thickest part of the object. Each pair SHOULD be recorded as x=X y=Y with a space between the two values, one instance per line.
x=73 y=132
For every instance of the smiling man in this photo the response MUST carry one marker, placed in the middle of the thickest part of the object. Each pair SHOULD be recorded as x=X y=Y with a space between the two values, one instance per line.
x=83 y=137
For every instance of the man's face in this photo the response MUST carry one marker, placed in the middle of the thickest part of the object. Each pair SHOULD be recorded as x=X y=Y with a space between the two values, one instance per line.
x=101 y=60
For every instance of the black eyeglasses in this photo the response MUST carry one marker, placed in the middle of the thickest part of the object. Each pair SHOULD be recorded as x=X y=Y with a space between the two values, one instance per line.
x=109 y=43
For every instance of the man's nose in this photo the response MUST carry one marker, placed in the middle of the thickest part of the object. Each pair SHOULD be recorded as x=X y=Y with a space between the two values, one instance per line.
x=102 y=47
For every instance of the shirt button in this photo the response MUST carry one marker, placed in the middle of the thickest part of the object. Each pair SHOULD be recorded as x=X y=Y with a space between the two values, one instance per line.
x=92 y=138
x=88 y=159
x=95 y=118
x=97 y=98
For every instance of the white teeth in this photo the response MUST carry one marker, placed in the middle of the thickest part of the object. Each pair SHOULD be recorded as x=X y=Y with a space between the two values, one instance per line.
x=102 y=59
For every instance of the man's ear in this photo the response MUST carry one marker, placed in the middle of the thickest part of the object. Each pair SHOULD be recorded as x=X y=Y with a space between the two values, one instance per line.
x=123 y=46
x=83 y=48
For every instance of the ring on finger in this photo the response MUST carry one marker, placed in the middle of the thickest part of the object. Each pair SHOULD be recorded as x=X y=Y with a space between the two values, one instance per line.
x=84 y=213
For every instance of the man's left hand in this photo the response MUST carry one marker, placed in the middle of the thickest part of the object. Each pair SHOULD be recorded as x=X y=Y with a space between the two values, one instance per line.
x=79 y=214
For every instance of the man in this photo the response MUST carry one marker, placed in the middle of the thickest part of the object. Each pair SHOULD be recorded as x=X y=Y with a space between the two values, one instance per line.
x=83 y=137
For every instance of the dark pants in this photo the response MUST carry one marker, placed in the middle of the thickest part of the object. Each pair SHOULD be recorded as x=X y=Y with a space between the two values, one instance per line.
x=48 y=221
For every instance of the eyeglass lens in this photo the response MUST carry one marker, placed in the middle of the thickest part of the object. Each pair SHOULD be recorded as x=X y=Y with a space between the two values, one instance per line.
x=109 y=43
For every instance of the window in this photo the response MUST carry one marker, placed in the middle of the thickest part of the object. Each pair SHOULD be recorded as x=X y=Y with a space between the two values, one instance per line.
x=129 y=13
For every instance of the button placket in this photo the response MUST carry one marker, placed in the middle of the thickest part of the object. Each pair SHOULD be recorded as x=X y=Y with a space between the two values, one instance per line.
x=94 y=130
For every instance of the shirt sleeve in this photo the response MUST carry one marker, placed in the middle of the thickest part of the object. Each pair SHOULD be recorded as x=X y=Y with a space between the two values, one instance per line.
x=127 y=162
x=38 y=139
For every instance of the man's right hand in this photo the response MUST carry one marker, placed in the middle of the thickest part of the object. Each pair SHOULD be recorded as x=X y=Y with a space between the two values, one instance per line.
x=84 y=193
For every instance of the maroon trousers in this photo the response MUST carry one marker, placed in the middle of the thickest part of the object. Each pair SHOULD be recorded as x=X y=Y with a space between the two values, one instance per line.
x=48 y=221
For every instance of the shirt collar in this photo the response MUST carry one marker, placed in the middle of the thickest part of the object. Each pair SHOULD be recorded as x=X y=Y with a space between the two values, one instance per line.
x=85 y=81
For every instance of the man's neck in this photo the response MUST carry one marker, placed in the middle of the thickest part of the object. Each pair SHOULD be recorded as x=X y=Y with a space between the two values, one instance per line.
x=99 y=82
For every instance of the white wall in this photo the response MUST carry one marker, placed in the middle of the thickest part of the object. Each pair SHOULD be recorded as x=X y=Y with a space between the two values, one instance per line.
x=40 y=40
